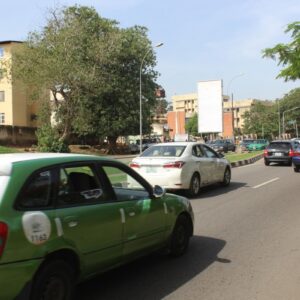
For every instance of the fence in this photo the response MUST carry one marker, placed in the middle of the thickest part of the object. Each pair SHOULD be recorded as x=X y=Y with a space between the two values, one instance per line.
x=17 y=135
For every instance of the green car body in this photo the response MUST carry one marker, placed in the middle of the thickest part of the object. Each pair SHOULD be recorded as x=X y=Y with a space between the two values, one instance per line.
x=84 y=229
x=260 y=144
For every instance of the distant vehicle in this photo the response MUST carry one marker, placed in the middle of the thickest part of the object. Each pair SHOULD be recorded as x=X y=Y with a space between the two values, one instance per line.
x=296 y=158
x=182 y=165
x=259 y=144
x=67 y=217
x=244 y=143
x=281 y=151
x=223 y=145
x=147 y=142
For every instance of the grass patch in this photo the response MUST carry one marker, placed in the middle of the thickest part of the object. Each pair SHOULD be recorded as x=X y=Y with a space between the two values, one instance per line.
x=8 y=150
x=232 y=157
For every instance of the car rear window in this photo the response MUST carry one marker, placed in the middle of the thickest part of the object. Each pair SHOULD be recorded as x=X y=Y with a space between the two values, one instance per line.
x=164 y=151
x=280 y=145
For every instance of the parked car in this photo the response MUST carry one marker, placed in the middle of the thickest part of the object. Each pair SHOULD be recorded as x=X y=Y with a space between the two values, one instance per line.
x=280 y=151
x=183 y=165
x=259 y=144
x=223 y=145
x=64 y=218
x=147 y=142
x=296 y=158
x=244 y=143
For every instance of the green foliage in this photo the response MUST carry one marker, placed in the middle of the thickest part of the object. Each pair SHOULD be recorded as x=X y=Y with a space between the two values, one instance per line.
x=192 y=125
x=262 y=120
x=288 y=55
x=49 y=140
x=91 y=66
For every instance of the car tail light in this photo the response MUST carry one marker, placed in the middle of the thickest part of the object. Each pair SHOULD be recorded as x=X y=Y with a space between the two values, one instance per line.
x=265 y=152
x=176 y=164
x=3 y=236
x=291 y=152
x=296 y=153
x=134 y=165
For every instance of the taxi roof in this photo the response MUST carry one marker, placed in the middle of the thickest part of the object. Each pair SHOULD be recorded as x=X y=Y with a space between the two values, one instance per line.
x=7 y=160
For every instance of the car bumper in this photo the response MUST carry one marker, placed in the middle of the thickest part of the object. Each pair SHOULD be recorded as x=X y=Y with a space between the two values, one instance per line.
x=296 y=161
x=278 y=159
x=15 y=276
x=173 y=180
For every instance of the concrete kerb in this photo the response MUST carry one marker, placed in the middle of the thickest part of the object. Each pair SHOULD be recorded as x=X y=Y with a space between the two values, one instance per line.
x=246 y=161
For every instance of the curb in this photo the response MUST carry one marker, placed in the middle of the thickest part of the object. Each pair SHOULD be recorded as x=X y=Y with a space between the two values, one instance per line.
x=247 y=161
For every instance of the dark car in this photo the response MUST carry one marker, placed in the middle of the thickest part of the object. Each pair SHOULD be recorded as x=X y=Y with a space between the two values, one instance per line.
x=296 y=158
x=147 y=142
x=223 y=145
x=280 y=152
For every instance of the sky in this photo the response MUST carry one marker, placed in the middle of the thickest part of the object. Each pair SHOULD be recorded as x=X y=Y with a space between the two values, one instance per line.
x=203 y=40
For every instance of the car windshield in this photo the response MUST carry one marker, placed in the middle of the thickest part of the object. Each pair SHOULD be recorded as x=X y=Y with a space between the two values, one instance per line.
x=280 y=145
x=164 y=151
x=218 y=142
x=247 y=142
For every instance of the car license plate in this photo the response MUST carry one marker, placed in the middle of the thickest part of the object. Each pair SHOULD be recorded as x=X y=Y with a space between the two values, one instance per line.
x=278 y=154
x=151 y=170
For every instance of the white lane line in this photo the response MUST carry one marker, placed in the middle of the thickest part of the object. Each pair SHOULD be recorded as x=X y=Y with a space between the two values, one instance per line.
x=264 y=183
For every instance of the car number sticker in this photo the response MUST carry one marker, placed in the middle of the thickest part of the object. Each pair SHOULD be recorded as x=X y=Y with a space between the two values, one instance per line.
x=37 y=227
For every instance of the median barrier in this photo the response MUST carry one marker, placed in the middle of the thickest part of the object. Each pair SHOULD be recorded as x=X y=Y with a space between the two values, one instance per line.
x=246 y=161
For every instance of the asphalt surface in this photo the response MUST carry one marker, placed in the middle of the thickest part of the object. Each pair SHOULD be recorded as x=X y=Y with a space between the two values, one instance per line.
x=246 y=246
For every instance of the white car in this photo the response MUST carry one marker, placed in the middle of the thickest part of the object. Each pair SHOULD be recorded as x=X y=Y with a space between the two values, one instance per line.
x=182 y=165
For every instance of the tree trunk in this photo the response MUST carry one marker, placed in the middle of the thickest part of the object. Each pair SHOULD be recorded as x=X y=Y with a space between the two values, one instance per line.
x=112 y=144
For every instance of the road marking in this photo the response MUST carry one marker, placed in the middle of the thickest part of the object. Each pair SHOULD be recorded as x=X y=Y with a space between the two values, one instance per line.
x=264 y=183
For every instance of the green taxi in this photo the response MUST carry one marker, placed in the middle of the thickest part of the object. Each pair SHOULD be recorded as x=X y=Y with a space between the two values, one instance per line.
x=65 y=218
x=259 y=144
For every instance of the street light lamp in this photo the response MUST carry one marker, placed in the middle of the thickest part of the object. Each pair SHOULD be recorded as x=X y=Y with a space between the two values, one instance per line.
x=141 y=115
x=232 y=113
x=283 y=125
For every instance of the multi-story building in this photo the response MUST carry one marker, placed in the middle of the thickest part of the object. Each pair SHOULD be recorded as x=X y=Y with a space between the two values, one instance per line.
x=17 y=112
x=188 y=103
x=15 y=107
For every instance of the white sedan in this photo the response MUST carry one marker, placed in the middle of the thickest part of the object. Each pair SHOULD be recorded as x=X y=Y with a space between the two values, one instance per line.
x=182 y=165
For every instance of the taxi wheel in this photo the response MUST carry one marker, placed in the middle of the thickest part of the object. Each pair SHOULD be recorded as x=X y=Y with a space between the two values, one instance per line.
x=194 y=188
x=180 y=237
x=54 y=281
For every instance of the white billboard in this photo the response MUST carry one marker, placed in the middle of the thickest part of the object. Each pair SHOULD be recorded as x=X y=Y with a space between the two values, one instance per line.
x=210 y=106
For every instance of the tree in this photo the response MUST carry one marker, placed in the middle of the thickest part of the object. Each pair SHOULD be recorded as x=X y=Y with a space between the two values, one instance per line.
x=288 y=55
x=192 y=125
x=91 y=66
x=261 y=120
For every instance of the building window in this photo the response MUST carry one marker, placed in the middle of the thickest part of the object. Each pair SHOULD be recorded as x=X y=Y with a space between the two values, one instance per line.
x=1 y=52
x=2 y=96
x=2 y=118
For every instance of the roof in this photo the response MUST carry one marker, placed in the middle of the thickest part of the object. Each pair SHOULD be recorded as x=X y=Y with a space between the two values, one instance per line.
x=7 y=160
x=177 y=144
x=9 y=42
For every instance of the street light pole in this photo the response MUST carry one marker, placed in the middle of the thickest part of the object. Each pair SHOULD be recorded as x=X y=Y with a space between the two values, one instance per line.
x=232 y=113
x=283 y=125
x=141 y=115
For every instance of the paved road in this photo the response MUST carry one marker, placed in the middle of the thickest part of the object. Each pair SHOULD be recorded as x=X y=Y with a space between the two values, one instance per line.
x=246 y=246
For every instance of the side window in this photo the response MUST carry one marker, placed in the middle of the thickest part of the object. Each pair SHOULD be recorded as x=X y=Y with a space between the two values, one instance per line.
x=37 y=193
x=210 y=153
x=197 y=151
x=79 y=185
x=125 y=186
